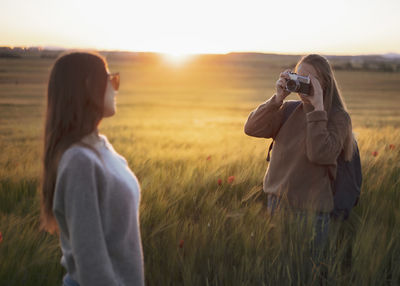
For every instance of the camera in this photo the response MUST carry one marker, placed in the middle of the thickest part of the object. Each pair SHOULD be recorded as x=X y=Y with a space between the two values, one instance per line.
x=297 y=83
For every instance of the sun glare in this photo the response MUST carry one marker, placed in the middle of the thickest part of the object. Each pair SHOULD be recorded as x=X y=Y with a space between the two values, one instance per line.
x=177 y=59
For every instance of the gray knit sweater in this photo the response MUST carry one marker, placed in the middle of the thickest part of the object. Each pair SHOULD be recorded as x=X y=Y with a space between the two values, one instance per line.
x=96 y=205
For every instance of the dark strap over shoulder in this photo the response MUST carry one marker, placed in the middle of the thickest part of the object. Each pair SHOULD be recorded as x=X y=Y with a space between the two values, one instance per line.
x=290 y=106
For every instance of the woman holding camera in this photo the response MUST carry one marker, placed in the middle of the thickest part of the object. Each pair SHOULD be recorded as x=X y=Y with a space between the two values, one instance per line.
x=90 y=197
x=307 y=142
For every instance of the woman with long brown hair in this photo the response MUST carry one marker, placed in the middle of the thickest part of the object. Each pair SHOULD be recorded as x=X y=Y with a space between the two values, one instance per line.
x=307 y=142
x=90 y=197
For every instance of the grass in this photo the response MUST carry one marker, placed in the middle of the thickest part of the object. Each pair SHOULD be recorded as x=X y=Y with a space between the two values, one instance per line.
x=181 y=130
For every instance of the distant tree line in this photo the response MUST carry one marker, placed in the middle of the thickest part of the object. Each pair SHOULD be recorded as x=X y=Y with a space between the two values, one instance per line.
x=31 y=52
x=383 y=66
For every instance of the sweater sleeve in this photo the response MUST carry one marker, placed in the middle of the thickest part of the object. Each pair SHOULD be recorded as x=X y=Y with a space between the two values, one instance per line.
x=265 y=120
x=324 y=140
x=80 y=182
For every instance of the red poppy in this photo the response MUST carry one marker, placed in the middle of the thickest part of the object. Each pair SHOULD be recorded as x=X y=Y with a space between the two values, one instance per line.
x=391 y=147
x=181 y=243
x=231 y=179
x=375 y=153
x=219 y=182
x=209 y=158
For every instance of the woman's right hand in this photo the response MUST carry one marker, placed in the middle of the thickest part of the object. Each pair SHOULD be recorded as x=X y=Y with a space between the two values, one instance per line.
x=281 y=91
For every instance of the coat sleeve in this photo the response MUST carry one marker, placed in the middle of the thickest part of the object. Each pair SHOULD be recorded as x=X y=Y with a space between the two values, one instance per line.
x=265 y=120
x=325 y=140
x=80 y=183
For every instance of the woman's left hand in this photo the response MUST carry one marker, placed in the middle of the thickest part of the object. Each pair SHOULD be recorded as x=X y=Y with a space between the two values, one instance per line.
x=316 y=97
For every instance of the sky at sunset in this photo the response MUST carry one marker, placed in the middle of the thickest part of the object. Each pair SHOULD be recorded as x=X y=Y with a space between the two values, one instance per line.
x=179 y=27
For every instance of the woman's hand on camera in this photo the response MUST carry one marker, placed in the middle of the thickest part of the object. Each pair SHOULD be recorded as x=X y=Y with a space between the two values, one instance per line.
x=281 y=91
x=315 y=98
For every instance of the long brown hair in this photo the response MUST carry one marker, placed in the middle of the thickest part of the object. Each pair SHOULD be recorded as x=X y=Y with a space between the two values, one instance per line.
x=333 y=100
x=75 y=103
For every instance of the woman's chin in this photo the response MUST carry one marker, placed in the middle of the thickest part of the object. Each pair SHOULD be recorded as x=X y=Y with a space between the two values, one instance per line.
x=109 y=113
x=303 y=98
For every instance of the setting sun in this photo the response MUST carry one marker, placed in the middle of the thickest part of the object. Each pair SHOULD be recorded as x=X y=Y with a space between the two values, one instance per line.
x=177 y=59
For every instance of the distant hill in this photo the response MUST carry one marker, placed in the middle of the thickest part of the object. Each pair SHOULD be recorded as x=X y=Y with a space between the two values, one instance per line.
x=391 y=56
x=389 y=62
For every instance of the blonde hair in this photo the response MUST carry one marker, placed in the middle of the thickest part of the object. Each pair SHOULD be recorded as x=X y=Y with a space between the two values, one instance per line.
x=333 y=100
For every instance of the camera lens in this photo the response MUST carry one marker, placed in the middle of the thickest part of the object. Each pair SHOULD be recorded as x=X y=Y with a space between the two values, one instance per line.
x=292 y=85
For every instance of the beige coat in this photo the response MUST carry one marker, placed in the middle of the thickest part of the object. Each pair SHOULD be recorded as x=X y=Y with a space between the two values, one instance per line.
x=303 y=159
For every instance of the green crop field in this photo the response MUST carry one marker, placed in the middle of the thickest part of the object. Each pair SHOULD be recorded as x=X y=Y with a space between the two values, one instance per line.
x=181 y=129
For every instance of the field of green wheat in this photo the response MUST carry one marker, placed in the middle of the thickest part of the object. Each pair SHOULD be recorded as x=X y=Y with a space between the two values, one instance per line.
x=202 y=213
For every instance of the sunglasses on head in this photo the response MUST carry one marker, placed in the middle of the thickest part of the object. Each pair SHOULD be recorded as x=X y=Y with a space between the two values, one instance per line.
x=114 y=78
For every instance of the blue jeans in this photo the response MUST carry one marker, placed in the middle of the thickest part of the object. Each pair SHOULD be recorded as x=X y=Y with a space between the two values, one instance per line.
x=320 y=224
x=68 y=281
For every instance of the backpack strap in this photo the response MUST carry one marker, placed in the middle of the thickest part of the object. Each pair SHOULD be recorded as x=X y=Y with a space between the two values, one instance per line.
x=269 y=150
x=290 y=106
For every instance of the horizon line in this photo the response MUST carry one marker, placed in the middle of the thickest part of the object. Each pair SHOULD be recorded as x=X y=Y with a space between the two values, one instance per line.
x=60 y=48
